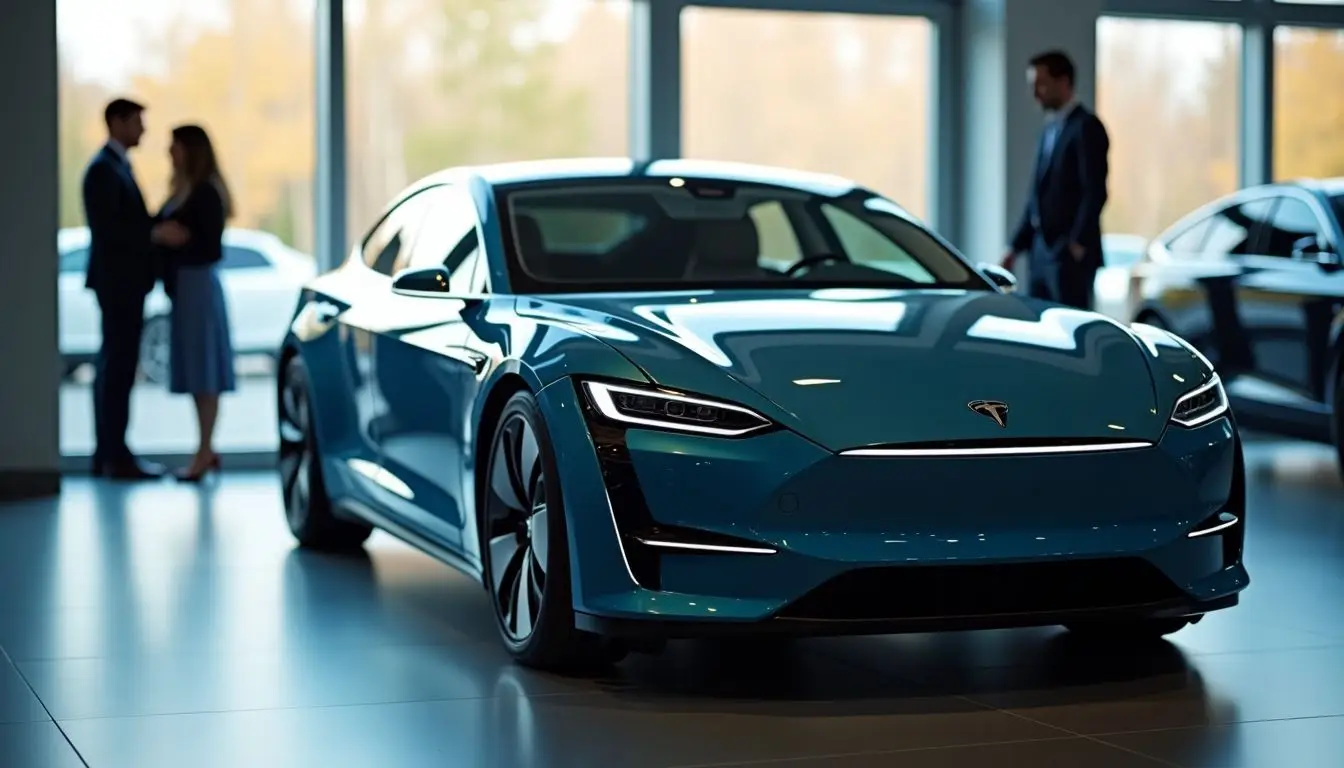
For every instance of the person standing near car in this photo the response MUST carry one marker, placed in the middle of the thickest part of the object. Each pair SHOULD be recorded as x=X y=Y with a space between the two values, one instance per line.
x=1060 y=230
x=189 y=231
x=121 y=273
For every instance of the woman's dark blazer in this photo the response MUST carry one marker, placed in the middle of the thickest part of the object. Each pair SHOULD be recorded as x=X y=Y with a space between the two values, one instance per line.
x=202 y=214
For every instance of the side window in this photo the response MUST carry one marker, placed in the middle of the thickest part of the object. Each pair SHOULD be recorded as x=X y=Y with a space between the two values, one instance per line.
x=779 y=243
x=391 y=238
x=75 y=261
x=236 y=257
x=1293 y=220
x=867 y=246
x=1238 y=229
x=1189 y=243
x=447 y=237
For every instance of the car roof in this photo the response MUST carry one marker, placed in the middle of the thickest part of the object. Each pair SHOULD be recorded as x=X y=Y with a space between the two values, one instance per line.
x=1333 y=186
x=1326 y=186
x=542 y=171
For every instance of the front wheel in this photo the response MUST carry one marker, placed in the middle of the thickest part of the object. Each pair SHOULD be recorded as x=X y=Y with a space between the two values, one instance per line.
x=308 y=509
x=524 y=547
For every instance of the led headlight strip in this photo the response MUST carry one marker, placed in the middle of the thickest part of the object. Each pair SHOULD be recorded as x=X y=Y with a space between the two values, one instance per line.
x=604 y=398
x=1215 y=409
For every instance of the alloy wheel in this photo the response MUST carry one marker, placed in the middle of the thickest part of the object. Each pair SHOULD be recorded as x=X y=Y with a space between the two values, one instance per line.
x=517 y=528
x=155 y=349
x=296 y=454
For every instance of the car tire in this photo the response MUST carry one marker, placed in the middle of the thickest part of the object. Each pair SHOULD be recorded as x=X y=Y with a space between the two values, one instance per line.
x=308 y=508
x=1129 y=631
x=524 y=548
x=155 y=349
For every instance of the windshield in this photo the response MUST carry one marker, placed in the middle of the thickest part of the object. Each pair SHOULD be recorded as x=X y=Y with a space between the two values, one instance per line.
x=661 y=234
x=1337 y=202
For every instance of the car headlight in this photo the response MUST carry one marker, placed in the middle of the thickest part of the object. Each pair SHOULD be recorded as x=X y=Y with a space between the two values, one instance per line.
x=662 y=409
x=1202 y=404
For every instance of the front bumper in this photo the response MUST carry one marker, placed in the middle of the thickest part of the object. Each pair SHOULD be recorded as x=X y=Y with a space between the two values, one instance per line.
x=790 y=537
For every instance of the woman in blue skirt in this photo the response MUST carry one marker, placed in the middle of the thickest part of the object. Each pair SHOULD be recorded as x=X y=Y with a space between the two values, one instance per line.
x=190 y=231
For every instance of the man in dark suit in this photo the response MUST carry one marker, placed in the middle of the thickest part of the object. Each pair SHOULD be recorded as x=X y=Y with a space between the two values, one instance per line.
x=120 y=274
x=1060 y=230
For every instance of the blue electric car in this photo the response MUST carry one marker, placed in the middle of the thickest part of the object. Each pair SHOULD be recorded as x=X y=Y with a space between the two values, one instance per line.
x=670 y=399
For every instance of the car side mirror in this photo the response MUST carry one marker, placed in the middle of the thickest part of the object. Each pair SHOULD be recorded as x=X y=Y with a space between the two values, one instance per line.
x=1310 y=249
x=426 y=281
x=999 y=276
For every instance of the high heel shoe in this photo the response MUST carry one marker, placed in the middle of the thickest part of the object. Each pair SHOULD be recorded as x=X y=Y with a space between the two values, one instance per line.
x=195 y=477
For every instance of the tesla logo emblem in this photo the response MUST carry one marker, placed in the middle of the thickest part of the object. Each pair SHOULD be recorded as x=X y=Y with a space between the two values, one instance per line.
x=994 y=409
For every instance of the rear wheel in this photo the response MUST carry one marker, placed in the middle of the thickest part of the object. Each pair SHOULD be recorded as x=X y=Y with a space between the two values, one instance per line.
x=1130 y=631
x=308 y=509
x=524 y=548
x=155 y=348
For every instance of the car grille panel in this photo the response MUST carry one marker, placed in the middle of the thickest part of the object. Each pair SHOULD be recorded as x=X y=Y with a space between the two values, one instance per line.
x=952 y=591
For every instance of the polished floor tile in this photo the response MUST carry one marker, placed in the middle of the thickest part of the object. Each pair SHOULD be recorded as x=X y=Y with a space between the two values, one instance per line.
x=36 y=745
x=18 y=704
x=149 y=625
x=1055 y=753
x=1313 y=742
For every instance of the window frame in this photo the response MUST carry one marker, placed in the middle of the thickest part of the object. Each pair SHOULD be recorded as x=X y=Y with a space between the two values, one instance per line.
x=451 y=194
x=415 y=197
x=266 y=262
x=1257 y=236
x=84 y=264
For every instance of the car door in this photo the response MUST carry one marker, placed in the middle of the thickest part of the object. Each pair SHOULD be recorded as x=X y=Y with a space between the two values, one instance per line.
x=354 y=298
x=1288 y=296
x=426 y=375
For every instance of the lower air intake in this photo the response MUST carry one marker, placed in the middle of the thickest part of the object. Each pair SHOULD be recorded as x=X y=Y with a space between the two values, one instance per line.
x=951 y=591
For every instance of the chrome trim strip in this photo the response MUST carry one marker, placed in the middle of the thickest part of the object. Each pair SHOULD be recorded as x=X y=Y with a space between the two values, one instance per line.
x=1013 y=450
x=1214 y=529
x=708 y=547
x=620 y=539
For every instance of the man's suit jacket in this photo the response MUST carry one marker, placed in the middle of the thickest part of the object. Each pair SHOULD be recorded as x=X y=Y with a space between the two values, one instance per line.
x=1067 y=193
x=121 y=261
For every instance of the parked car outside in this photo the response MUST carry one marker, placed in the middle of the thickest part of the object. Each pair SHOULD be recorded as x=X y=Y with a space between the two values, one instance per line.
x=261 y=275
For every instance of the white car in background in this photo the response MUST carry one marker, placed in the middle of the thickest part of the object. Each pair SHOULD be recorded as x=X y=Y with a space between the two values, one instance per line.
x=1115 y=291
x=261 y=276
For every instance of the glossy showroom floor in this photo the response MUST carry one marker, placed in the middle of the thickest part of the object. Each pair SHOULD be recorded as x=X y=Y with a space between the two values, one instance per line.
x=152 y=625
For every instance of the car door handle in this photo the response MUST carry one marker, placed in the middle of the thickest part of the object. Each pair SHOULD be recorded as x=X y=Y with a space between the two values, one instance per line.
x=476 y=360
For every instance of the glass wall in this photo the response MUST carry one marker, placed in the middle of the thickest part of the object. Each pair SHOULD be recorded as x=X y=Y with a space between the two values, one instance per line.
x=1169 y=94
x=837 y=93
x=1308 y=111
x=243 y=69
x=436 y=83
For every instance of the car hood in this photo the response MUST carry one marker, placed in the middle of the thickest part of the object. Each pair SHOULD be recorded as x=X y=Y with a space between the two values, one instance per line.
x=850 y=368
